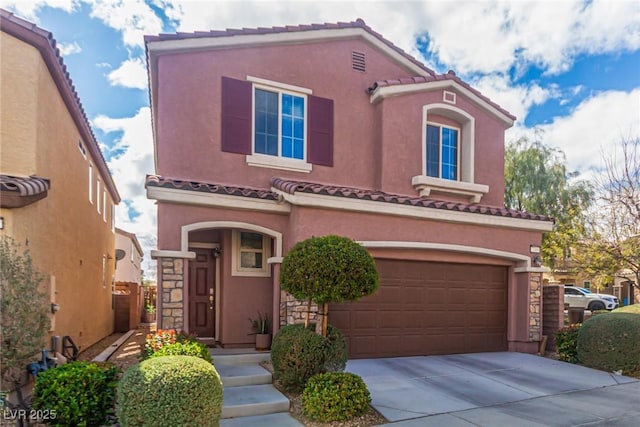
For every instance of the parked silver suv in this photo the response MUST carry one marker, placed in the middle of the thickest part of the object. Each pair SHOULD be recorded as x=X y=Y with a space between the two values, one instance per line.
x=581 y=297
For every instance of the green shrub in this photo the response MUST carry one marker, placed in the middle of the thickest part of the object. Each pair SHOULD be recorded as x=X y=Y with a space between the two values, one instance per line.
x=567 y=343
x=154 y=342
x=297 y=354
x=335 y=396
x=335 y=350
x=611 y=342
x=77 y=393
x=170 y=391
x=189 y=348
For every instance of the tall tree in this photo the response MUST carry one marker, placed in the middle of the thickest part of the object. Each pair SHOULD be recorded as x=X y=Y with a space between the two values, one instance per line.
x=537 y=180
x=612 y=246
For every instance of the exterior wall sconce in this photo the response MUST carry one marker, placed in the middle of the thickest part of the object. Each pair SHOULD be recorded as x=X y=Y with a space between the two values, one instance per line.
x=1 y=223
x=216 y=252
x=536 y=261
x=54 y=308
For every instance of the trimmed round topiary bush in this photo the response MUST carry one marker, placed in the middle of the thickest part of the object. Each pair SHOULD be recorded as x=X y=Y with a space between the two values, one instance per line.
x=170 y=391
x=328 y=269
x=610 y=342
x=189 y=348
x=297 y=353
x=335 y=396
x=77 y=393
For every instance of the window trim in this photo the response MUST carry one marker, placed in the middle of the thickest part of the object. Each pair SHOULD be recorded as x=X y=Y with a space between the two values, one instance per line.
x=458 y=146
x=278 y=161
x=104 y=205
x=98 y=195
x=465 y=185
x=90 y=183
x=236 y=270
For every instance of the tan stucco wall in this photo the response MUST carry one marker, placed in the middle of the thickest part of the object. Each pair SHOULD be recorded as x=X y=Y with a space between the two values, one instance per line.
x=64 y=232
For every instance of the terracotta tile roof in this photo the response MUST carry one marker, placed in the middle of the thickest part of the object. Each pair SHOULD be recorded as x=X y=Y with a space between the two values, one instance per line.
x=358 y=23
x=292 y=187
x=164 y=182
x=43 y=41
x=450 y=75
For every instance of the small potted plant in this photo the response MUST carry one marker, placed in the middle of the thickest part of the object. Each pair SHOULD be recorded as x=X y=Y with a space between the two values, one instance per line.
x=262 y=330
x=150 y=313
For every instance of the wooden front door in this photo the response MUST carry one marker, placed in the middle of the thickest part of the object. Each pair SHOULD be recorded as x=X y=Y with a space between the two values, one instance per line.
x=202 y=297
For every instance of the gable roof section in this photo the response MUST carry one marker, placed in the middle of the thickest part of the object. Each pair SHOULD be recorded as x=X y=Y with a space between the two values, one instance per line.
x=383 y=88
x=45 y=43
x=289 y=34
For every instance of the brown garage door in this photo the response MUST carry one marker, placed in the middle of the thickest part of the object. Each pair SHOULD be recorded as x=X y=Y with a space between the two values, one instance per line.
x=426 y=308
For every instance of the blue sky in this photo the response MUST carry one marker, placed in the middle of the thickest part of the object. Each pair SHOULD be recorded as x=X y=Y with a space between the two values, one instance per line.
x=569 y=70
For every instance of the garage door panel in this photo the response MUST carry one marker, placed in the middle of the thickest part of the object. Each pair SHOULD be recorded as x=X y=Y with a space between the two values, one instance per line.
x=427 y=308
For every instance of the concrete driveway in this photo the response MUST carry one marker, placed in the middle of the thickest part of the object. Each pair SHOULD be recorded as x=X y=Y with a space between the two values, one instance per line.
x=495 y=389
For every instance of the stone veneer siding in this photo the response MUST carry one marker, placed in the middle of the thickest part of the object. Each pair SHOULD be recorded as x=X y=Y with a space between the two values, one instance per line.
x=172 y=313
x=293 y=311
x=535 y=307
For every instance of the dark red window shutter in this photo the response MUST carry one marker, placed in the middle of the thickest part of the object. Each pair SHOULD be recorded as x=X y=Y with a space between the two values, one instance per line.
x=236 y=116
x=320 y=131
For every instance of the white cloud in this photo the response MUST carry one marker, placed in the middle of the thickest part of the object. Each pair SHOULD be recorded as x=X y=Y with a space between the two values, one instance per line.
x=128 y=170
x=595 y=126
x=131 y=73
x=515 y=99
x=28 y=9
x=67 y=49
x=133 y=18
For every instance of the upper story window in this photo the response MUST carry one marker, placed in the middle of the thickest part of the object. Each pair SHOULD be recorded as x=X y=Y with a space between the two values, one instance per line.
x=448 y=154
x=104 y=205
x=98 y=195
x=90 y=182
x=442 y=152
x=276 y=125
x=279 y=123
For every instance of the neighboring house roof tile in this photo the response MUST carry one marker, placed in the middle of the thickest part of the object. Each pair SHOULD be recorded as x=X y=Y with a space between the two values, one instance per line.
x=358 y=23
x=292 y=187
x=43 y=41
x=229 y=190
x=450 y=75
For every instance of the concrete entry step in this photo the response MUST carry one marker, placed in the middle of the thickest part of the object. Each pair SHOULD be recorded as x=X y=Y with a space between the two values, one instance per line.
x=282 y=419
x=240 y=374
x=246 y=401
x=243 y=358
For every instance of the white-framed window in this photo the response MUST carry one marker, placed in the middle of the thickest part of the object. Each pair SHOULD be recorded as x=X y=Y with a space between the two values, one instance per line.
x=279 y=134
x=250 y=253
x=90 y=183
x=83 y=150
x=104 y=205
x=443 y=151
x=104 y=271
x=98 y=195
x=113 y=218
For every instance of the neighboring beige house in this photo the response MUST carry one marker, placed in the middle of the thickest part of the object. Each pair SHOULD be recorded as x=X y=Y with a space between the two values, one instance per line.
x=129 y=268
x=57 y=198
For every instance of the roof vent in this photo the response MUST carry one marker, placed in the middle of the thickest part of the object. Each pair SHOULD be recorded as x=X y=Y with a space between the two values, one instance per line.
x=358 y=61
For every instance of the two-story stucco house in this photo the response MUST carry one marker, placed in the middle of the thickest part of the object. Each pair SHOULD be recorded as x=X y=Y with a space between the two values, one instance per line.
x=57 y=196
x=265 y=137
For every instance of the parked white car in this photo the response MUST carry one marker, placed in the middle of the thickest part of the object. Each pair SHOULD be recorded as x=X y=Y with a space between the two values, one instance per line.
x=584 y=298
